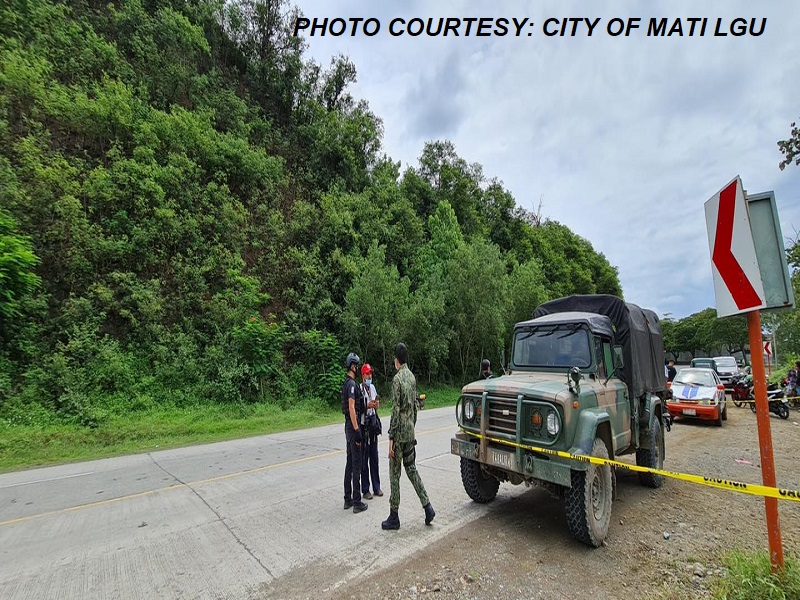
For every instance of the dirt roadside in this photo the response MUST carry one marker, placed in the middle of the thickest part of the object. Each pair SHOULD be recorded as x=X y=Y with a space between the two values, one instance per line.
x=664 y=543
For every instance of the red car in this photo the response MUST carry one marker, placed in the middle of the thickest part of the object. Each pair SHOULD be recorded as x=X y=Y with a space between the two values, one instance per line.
x=698 y=394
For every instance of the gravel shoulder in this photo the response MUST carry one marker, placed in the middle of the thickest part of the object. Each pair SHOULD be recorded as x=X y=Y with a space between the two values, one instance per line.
x=664 y=543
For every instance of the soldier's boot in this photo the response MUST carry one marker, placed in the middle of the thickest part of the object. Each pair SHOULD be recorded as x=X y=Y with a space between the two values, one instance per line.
x=393 y=522
x=429 y=513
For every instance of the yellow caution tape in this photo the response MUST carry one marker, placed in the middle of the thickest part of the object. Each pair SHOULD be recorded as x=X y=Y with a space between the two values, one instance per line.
x=724 y=484
x=788 y=398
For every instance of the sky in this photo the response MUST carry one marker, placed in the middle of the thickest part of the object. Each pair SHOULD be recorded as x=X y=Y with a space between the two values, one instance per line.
x=622 y=139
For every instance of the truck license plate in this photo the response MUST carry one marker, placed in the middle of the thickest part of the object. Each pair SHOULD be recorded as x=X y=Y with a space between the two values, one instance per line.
x=501 y=459
x=689 y=411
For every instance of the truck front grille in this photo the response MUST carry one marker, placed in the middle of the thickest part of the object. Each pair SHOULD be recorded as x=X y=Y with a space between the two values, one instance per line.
x=502 y=415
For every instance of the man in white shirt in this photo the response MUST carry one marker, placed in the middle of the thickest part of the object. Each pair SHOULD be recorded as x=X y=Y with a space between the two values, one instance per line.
x=372 y=429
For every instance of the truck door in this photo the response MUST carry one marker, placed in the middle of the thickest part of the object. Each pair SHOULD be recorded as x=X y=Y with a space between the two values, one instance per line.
x=615 y=395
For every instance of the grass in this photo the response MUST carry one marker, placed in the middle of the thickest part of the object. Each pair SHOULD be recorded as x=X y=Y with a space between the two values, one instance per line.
x=26 y=446
x=749 y=577
x=746 y=576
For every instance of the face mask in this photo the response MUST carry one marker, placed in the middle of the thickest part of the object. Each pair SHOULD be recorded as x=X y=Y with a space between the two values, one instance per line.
x=368 y=382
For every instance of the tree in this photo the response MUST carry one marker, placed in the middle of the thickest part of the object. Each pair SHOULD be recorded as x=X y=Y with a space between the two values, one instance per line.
x=476 y=288
x=375 y=306
x=526 y=290
x=785 y=324
x=790 y=148
x=201 y=202
x=17 y=261
x=729 y=333
x=669 y=331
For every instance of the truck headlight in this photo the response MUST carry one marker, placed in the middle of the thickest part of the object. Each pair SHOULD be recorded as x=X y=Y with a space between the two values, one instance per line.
x=469 y=410
x=553 y=424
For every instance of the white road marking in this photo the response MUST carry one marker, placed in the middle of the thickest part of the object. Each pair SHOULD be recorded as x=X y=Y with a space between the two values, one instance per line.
x=3 y=487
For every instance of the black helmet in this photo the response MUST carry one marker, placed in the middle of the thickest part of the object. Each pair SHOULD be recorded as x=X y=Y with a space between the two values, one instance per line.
x=352 y=359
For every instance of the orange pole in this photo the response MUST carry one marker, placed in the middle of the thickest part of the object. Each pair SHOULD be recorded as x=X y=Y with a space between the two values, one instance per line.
x=765 y=438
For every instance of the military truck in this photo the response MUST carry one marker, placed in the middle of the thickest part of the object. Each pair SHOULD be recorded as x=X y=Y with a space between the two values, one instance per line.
x=586 y=377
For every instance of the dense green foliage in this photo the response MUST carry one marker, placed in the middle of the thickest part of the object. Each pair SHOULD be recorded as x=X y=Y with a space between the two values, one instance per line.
x=702 y=333
x=785 y=324
x=790 y=148
x=192 y=211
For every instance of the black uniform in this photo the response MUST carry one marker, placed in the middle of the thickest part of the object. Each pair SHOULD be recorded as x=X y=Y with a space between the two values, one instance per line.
x=671 y=373
x=352 y=470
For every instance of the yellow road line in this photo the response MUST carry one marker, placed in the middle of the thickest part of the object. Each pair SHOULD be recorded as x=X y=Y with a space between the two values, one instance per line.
x=176 y=486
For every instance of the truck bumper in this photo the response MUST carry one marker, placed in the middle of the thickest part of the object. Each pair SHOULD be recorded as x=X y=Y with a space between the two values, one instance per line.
x=527 y=464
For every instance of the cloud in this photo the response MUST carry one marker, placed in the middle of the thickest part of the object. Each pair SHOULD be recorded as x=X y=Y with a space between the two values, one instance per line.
x=623 y=138
x=434 y=104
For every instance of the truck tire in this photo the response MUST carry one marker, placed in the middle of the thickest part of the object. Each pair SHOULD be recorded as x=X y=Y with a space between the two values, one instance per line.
x=652 y=456
x=480 y=486
x=588 y=502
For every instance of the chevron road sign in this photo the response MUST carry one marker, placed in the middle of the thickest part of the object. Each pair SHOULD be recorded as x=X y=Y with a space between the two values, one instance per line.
x=737 y=279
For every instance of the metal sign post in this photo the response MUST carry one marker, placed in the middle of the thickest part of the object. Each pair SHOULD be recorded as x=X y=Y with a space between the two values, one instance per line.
x=765 y=439
x=740 y=268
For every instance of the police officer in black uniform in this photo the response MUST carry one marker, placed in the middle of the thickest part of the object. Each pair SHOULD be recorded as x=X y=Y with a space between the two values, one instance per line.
x=353 y=408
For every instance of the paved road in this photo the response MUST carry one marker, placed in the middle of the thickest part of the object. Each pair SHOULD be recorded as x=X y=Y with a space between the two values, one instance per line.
x=255 y=518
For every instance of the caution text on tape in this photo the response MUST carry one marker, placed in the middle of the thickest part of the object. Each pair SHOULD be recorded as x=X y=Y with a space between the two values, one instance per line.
x=724 y=484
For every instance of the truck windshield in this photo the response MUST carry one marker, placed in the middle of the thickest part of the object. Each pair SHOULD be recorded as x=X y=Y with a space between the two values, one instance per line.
x=726 y=361
x=552 y=347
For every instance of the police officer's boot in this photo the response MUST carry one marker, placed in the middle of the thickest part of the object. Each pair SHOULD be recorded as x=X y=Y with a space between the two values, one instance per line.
x=429 y=513
x=393 y=522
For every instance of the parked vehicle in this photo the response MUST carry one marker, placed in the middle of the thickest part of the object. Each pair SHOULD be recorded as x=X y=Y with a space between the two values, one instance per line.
x=698 y=394
x=742 y=391
x=727 y=369
x=704 y=363
x=778 y=403
x=586 y=376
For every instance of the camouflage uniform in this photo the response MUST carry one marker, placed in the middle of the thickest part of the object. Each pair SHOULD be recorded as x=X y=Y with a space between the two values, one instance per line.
x=401 y=430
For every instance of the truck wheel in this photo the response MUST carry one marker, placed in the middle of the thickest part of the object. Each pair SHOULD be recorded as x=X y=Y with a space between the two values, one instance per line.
x=480 y=486
x=652 y=456
x=588 y=502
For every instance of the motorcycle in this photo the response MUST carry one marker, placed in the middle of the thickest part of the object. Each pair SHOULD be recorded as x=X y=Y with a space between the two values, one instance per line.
x=741 y=393
x=778 y=403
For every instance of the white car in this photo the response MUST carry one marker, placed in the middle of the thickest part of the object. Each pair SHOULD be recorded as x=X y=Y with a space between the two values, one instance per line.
x=727 y=369
x=698 y=394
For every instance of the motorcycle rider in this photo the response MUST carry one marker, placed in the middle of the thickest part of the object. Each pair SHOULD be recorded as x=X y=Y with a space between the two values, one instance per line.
x=792 y=378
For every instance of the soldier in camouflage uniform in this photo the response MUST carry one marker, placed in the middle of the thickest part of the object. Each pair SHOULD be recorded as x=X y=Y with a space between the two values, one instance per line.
x=401 y=439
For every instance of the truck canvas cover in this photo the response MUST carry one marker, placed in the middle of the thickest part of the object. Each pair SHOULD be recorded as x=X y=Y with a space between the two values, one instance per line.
x=637 y=330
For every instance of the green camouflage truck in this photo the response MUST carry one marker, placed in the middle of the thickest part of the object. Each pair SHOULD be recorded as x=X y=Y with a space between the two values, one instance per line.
x=586 y=376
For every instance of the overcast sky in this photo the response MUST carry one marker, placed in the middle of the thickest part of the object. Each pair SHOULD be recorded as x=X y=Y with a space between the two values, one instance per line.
x=623 y=139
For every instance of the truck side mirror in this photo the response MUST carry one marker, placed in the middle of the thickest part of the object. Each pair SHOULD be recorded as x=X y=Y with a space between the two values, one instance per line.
x=618 y=360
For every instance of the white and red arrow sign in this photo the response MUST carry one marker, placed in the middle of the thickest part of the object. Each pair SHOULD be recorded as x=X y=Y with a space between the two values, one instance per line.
x=737 y=279
x=768 y=348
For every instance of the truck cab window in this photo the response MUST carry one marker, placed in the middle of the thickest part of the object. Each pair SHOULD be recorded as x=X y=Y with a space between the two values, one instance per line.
x=599 y=359
x=608 y=356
